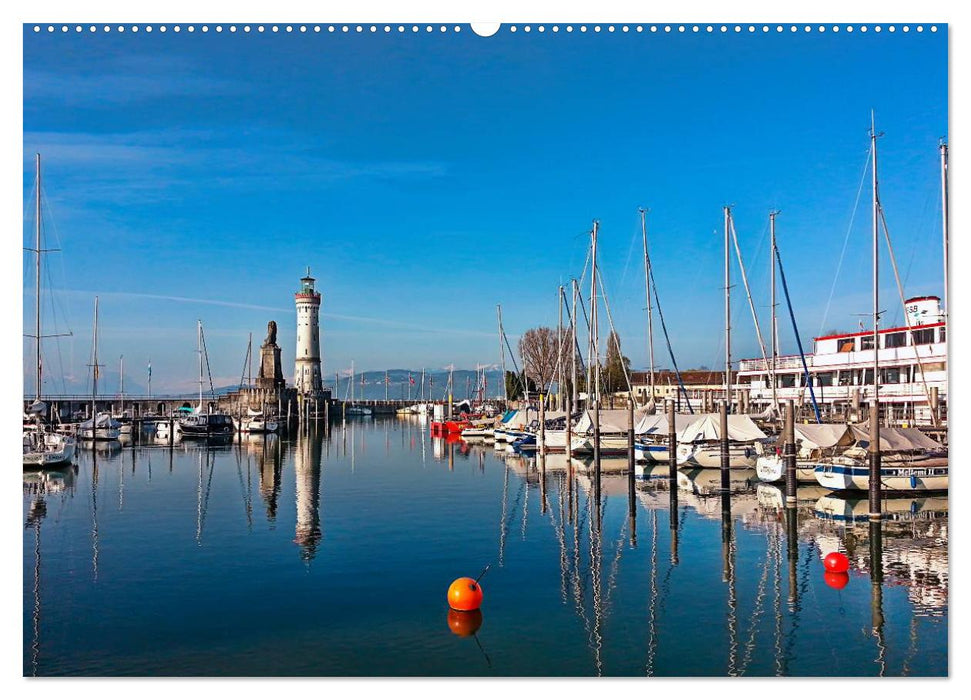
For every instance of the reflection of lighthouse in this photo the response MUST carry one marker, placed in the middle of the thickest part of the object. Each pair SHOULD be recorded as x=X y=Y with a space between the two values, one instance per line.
x=306 y=467
x=306 y=376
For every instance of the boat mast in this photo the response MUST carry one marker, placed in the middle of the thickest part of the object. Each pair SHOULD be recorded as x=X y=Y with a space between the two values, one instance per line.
x=943 y=148
x=573 y=347
x=876 y=272
x=559 y=353
x=502 y=357
x=37 y=299
x=774 y=329
x=121 y=374
x=94 y=373
x=199 y=351
x=647 y=289
x=421 y=390
x=728 y=316
x=594 y=368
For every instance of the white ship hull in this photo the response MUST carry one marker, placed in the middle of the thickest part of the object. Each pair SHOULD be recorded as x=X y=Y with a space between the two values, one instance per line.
x=854 y=475
x=771 y=468
x=707 y=456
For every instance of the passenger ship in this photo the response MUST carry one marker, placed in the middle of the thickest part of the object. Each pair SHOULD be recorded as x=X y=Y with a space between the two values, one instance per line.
x=841 y=368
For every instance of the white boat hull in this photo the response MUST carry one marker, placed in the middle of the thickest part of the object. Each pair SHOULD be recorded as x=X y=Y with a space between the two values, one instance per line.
x=770 y=468
x=932 y=475
x=609 y=444
x=707 y=456
x=650 y=452
x=58 y=449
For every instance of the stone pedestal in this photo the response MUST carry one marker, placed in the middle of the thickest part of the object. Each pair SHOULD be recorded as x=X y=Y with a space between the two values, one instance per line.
x=271 y=370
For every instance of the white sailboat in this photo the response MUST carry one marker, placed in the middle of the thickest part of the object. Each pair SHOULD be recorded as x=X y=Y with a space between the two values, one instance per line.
x=42 y=446
x=101 y=426
x=353 y=410
x=204 y=425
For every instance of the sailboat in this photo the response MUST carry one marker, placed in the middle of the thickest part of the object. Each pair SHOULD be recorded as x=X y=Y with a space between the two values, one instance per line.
x=912 y=462
x=101 y=426
x=124 y=420
x=42 y=446
x=353 y=410
x=255 y=421
x=203 y=425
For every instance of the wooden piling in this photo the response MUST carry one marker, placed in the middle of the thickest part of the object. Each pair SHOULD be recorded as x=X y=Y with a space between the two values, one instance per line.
x=541 y=438
x=876 y=485
x=725 y=456
x=630 y=455
x=789 y=454
x=672 y=447
x=596 y=450
x=569 y=431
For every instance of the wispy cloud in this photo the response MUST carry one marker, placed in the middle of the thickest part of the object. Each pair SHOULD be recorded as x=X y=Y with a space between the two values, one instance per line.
x=163 y=164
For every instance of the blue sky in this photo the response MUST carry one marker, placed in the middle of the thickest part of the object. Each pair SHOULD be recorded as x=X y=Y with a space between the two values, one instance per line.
x=427 y=177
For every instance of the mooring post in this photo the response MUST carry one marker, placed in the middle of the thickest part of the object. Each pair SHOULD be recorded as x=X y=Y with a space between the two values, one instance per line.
x=725 y=458
x=569 y=431
x=876 y=486
x=541 y=438
x=672 y=447
x=596 y=450
x=171 y=430
x=630 y=455
x=789 y=454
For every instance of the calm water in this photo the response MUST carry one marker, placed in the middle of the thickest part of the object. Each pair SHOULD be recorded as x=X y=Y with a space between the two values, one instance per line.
x=331 y=555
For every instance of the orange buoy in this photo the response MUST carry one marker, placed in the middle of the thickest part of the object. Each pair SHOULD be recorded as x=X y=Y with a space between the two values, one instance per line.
x=836 y=562
x=464 y=594
x=836 y=579
x=464 y=623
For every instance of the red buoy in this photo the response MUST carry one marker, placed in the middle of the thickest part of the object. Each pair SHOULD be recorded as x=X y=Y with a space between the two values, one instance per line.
x=464 y=594
x=836 y=562
x=836 y=579
x=464 y=624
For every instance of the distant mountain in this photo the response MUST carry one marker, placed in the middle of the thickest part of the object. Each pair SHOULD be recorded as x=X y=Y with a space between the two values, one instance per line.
x=371 y=385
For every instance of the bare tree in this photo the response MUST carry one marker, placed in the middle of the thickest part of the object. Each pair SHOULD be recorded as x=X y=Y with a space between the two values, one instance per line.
x=538 y=348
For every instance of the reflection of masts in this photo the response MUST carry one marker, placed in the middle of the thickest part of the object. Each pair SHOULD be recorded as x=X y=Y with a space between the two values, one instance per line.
x=777 y=602
x=876 y=592
x=757 y=611
x=728 y=575
x=202 y=504
x=596 y=637
x=652 y=619
x=38 y=510
x=94 y=514
x=502 y=516
x=525 y=500
x=561 y=540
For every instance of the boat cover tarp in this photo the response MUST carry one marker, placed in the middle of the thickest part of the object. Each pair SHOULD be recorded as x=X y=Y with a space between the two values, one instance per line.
x=741 y=428
x=611 y=420
x=815 y=436
x=521 y=418
x=657 y=424
x=898 y=439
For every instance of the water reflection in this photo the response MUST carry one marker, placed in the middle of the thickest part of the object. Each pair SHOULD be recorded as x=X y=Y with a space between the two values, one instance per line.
x=584 y=580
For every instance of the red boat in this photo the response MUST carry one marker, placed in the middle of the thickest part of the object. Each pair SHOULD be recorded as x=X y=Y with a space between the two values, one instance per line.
x=449 y=427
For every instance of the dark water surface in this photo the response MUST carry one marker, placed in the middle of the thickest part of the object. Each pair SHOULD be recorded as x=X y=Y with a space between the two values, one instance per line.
x=331 y=554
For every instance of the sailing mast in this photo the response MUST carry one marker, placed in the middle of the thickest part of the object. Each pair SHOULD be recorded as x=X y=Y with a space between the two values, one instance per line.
x=876 y=272
x=37 y=300
x=593 y=370
x=199 y=351
x=121 y=374
x=573 y=347
x=728 y=316
x=774 y=329
x=943 y=148
x=94 y=375
x=559 y=341
x=647 y=289
x=502 y=357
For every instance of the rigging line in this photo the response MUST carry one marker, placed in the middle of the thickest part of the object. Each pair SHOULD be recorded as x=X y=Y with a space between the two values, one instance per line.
x=748 y=293
x=903 y=303
x=846 y=239
x=795 y=331
x=202 y=335
x=610 y=321
x=667 y=340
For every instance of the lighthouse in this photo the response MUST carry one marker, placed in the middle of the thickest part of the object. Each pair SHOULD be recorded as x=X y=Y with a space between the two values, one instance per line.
x=306 y=375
